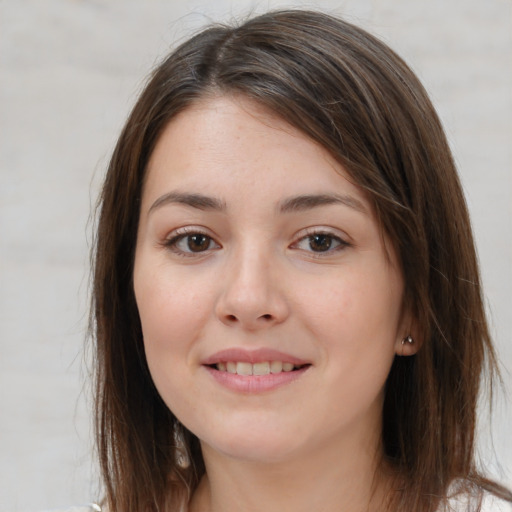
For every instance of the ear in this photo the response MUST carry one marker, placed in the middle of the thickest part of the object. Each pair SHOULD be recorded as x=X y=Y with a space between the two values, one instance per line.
x=409 y=338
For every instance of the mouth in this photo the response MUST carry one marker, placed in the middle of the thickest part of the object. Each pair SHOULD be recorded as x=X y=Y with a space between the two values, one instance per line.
x=255 y=371
x=261 y=368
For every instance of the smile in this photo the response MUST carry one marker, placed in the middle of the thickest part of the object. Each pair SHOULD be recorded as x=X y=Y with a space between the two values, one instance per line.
x=262 y=368
x=254 y=371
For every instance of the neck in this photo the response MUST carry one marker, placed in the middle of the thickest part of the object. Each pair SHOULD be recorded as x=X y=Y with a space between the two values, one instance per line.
x=350 y=477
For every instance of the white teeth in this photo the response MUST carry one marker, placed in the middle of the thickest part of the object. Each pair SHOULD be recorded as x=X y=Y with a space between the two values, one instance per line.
x=287 y=367
x=244 y=368
x=263 y=368
x=276 y=367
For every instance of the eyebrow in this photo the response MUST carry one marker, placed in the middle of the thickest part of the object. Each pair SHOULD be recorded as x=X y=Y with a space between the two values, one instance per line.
x=290 y=205
x=199 y=201
x=309 y=201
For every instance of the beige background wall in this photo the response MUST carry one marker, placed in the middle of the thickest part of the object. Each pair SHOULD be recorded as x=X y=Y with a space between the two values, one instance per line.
x=69 y=72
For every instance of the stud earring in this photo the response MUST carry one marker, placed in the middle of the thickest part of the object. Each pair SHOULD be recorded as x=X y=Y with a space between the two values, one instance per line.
x=408 y=339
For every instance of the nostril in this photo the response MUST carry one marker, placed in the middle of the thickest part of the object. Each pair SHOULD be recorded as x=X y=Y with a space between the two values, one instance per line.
x=231 y=318
x=267 y=317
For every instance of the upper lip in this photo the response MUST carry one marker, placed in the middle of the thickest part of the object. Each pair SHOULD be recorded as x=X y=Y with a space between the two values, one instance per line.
x=259 y=355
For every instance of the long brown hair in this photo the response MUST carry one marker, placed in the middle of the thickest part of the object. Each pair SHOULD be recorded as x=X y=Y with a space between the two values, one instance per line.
x=350 y=93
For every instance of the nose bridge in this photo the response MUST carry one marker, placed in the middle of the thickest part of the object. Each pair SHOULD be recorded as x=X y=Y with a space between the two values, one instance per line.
x=251 y=295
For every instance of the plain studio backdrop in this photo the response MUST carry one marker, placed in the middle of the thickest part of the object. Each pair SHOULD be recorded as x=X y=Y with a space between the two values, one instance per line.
x=69 y=72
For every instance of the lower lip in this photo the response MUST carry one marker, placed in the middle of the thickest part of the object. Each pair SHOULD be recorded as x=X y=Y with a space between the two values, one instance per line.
x=252 y=384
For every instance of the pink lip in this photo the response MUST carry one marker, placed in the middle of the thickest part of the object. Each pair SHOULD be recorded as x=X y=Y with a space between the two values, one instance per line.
x=252 y=356
x=255 y=383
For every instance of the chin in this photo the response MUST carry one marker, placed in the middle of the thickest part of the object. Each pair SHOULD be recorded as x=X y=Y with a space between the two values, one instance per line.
x=254 y=444
x=256 y=451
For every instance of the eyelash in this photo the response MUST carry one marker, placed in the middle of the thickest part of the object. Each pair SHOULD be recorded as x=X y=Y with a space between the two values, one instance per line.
x=183 y=234
x=308 y=237
x=172 y=243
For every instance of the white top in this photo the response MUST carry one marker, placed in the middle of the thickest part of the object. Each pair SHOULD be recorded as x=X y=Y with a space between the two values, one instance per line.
x=460 y=503
x=490 y=503
x=91 y=507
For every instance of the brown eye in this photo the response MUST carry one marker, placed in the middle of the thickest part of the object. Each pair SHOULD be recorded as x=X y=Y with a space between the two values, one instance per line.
x=190 y=244
x=320 y=242
x=198 y=242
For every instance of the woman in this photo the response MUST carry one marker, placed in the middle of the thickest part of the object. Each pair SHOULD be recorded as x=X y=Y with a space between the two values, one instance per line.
x=287 y=307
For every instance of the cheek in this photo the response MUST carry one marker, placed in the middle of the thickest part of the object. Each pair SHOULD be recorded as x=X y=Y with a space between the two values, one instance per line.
x=166 y=300
x=356 y=321
x=354 y=302
x=173 y=312
x=172 y=318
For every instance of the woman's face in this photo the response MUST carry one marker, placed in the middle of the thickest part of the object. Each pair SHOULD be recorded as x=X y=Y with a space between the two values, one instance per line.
x=271 y=307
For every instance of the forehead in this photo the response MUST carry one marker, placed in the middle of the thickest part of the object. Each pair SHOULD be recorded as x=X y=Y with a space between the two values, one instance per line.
x=235 y=138
x=235 y=120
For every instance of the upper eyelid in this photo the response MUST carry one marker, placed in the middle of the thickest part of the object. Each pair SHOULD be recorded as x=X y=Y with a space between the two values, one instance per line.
x=185 y=231
x=321 y=230
x=189 y=230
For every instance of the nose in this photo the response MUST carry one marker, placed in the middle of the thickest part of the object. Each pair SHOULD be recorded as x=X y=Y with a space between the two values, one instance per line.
x=252 y=295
